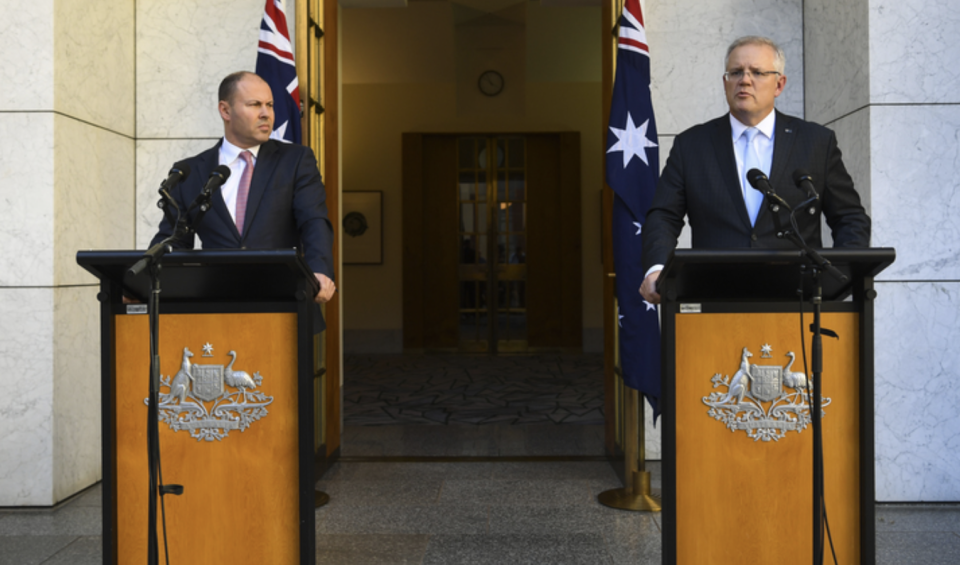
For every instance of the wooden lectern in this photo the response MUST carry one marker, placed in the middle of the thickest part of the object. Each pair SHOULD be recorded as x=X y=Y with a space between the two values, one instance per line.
x=737 y=439
x=237 y=395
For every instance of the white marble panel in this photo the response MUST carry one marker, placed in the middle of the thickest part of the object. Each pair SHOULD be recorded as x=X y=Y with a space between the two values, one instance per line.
x=154 y=159
x=688 y=42
x=94 y=62
x=917 y=429
x=26 y=406
x=914 y=49
x=853 y=138
x=76 y=400
x=837 y=46
x=26 y=196
x=915 y=190
x=184 y=49
x=26 y=68
x=653 y=443
x=94 y=195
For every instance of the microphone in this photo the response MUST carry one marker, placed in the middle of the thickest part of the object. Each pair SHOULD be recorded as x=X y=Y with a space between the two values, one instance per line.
x=177 y=174
x=760 y=182
x=803 y=180
x=217 y=177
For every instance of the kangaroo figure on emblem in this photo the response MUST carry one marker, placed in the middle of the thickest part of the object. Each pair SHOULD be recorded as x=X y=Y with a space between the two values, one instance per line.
x=180 y=386
x=741 y=380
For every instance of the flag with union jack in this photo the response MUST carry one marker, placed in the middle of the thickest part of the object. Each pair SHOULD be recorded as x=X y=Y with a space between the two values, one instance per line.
x=632 y=168
x=275 y=64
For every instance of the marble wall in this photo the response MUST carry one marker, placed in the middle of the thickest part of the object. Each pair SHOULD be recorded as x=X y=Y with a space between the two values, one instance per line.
x=882 y=74
x=67 y=170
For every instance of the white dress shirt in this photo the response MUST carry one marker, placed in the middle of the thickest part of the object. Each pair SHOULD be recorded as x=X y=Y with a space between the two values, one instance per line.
x=762 y=144
x=230 y=156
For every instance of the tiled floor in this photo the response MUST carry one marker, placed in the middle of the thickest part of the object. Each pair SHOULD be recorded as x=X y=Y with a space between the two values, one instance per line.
x=469 y=513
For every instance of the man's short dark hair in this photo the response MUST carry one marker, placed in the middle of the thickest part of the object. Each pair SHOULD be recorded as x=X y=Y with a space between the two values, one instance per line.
x=228 y=86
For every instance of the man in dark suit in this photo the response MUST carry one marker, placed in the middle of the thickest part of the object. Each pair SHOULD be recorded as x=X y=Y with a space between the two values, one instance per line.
x=274 y=197
x=704 y=178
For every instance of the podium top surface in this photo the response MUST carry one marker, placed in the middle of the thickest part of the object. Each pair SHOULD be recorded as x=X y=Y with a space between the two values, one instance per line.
x=216 y=275
x=761 y=275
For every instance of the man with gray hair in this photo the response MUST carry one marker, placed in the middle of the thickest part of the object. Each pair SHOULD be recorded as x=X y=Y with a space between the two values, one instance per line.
x=705 y=178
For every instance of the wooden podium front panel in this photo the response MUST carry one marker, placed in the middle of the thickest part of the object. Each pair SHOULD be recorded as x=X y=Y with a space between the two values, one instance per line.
x=240 y=503
x=745 y=501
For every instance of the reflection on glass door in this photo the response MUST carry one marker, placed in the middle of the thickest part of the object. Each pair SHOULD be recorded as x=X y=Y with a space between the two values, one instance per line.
x=491 y=192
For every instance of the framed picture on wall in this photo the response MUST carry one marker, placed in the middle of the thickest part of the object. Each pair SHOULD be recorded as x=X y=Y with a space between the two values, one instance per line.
x=362 y=233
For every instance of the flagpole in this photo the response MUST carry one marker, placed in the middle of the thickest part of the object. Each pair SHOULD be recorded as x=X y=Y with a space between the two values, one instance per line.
x=636 y=494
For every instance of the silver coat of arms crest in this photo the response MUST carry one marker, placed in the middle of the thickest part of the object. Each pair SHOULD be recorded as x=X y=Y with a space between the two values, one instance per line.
x=210 y=400
x=765 y=401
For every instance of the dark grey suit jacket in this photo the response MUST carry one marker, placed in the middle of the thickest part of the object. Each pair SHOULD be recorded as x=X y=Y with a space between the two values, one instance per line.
x=700 y=181
x=286 y=206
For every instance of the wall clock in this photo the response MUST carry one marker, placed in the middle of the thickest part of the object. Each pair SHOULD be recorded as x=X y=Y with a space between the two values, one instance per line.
x=490 y=83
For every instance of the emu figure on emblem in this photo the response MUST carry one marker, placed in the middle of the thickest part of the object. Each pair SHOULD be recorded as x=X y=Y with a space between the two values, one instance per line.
x=238 y=379
x=795 y=379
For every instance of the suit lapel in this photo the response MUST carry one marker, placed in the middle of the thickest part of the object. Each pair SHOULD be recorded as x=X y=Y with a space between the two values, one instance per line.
x=262 y=173
x=783 y=142
x=728 y=166
x=211 y=160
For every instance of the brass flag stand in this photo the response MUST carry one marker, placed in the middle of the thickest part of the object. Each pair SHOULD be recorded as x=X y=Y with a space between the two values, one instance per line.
x=636 y=494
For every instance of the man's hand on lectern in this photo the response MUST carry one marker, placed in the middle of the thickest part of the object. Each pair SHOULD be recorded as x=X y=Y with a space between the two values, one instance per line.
x=649 y=288
x=327 y=288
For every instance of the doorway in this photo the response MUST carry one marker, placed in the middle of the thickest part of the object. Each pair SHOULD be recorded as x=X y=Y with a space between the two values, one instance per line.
x=493 y=247
x=491 y=228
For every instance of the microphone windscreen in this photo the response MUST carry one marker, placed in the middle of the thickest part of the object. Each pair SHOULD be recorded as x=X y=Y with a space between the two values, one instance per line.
x=754 y=176
x=223 y=171
x=801 y=175
x=183 y=169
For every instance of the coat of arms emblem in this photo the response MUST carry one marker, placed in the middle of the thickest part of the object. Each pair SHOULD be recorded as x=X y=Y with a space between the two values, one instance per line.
x=199 y=400
x=759 y=399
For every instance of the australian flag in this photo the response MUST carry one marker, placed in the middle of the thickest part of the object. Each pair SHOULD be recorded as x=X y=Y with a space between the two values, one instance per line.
x=275 y=65
x=633 y=163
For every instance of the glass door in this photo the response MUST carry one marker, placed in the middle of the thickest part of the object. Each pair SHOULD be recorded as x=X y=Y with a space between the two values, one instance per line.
x=492 y=194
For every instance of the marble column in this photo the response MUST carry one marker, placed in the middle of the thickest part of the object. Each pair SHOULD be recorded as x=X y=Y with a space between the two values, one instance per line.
x=883 y=75
x=66 y=118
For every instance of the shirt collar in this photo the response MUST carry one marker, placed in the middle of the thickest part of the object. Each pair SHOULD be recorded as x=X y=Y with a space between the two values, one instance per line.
x=766 y=126
x=229 y=152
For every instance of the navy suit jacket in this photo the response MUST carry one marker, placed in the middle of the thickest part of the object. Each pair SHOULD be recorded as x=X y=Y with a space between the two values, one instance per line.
x=700 y=181
x=286 y=206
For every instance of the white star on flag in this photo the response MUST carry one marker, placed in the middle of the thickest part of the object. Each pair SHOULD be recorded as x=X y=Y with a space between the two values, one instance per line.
x=280 y=132
x=620 y=317
x=649 y=306
x=639 y=228
x=632 y=141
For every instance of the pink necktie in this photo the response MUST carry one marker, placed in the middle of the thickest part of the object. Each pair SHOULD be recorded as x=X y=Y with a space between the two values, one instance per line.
x=243 y=189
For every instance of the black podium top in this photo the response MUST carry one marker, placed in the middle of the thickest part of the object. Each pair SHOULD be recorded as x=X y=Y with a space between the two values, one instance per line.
x=760 y=275
x=219 y=275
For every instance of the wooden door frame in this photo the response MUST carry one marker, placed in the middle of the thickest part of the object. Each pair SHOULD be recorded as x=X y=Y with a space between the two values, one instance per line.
x=318 y=73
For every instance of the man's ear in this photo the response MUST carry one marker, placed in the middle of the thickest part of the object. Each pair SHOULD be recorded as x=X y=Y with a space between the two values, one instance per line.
x=224 y=108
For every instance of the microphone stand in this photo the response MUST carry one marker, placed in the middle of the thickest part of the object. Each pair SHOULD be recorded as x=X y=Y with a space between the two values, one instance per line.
x=819 y=265
x=151 y=261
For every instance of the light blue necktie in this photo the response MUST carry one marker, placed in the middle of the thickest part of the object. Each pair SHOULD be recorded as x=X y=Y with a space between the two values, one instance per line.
x=751 y=197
